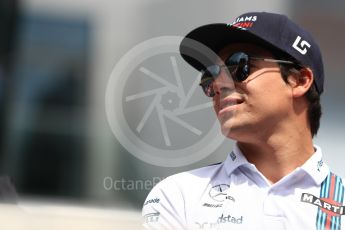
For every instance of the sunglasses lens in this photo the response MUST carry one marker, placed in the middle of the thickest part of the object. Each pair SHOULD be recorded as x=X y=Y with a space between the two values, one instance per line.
x=207 y=79
x=238 y=66
x=207 y=87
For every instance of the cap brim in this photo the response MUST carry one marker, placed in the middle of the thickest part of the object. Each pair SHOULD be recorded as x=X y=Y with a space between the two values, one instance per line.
x=215 y=37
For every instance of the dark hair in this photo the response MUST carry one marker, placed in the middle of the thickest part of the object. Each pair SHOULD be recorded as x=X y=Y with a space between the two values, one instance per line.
x=313 y=97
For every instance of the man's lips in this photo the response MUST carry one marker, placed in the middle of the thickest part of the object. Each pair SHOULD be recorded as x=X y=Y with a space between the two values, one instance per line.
x=230 y=101
x=229 y=104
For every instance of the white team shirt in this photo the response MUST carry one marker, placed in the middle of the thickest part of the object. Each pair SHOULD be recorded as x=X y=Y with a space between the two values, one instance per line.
x=235 y=195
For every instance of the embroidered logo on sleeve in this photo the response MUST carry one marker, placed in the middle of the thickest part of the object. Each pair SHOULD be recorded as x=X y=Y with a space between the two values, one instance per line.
x=151 y=217
x=152 y=201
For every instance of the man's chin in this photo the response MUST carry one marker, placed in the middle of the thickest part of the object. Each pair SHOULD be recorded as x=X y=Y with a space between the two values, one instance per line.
x=226 y=129
x=231 y=130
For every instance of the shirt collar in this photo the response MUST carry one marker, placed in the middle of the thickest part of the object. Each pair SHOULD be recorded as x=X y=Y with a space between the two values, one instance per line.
x=315 y=167
x=234 y=160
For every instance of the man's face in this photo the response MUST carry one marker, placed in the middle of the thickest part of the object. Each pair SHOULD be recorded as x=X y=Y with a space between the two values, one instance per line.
x=257 y=106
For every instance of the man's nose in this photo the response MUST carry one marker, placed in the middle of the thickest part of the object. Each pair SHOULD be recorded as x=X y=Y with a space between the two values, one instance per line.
x=223 y=83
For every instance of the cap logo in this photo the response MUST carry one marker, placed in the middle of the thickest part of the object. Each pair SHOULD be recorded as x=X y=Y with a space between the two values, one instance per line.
x=243 y=22
x=246 y=19
x=301 y=46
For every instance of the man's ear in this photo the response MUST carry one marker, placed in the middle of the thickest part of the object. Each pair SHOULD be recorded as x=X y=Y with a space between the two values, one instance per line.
x=301 y=82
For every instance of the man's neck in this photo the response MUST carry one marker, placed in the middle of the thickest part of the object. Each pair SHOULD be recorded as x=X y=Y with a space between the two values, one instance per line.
x=278 y=155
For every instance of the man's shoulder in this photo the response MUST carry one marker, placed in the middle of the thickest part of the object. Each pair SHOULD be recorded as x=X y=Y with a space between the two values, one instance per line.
x=193 y=176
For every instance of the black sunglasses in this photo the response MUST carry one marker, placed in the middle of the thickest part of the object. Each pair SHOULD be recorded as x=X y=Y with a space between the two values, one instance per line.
x=238 y=67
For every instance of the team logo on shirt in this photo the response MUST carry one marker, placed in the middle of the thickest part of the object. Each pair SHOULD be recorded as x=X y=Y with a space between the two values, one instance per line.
x=327 y=205
x=220 y=193
x=330 y=204
x=208 y=205
x=319 y=165
x=151 y=217
x=152 y=201
x=223 y=219
x=233 y=156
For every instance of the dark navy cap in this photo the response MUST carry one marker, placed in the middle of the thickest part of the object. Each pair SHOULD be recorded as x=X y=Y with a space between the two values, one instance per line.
x=269 y=30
